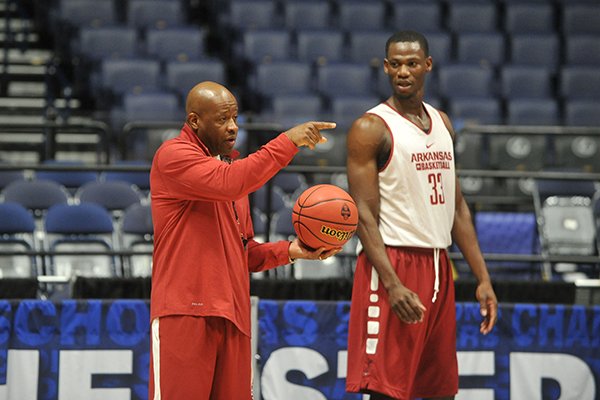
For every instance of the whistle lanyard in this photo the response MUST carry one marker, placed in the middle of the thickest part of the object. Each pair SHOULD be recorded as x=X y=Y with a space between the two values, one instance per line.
x=237 y=220
x=228 y=160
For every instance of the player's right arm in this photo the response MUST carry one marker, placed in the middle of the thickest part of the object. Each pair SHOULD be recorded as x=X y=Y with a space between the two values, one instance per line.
x=369 y=141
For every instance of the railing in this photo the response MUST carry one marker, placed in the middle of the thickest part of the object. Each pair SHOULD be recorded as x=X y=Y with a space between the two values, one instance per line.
x=47 y=139
x=270 y=130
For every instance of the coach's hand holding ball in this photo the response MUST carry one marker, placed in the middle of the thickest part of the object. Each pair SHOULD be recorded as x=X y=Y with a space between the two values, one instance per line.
x=309 y=133
x=300 y=250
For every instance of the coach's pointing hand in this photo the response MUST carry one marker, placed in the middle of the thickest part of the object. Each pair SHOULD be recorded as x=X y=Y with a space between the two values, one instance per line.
x=308 y=133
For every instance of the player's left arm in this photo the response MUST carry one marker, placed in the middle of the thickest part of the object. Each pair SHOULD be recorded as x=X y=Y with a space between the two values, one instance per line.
x=463 y=234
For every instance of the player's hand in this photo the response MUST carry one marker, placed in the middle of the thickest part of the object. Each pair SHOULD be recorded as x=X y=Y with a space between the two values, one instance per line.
x=488 y=306
x=309 y=133
x=406 y=304
x=298 y=250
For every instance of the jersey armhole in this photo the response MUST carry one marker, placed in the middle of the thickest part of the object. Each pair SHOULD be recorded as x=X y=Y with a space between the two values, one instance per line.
x=389 y=132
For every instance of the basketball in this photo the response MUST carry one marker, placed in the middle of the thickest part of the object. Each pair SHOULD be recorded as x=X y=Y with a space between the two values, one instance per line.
x=324 y=216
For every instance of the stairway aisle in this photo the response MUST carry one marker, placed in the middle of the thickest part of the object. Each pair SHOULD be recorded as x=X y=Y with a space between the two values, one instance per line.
x=35 y=93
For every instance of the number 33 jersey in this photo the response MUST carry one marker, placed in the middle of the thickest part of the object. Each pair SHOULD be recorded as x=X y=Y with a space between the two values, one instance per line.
x=417 y=184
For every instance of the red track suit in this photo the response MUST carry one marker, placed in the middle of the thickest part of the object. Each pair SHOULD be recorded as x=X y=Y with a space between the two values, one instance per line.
x=201 y=267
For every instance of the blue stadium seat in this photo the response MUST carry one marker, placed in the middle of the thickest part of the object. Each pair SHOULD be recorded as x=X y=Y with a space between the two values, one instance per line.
x=114 y=196
x=87 y=13
x=580 y=18
x=582 y=50
x=259 y=200
x=346 y=109
x=260 y=46
x=152 y=107
x=367 y=47
x=290 y=110
x=17 y=229
x=290 y=183
x=286 y=77
x=336 y=79
x=529 y=18
x=472 y=17
x=83 y=227
x=460 y=80
x=421 y=17
x=246 y=15
x=176 y=44
x=541 y=50
x=137 y=233
x=361 y=15
x=8 y=176
x=481 y=48
x=182 y=77
x=579 y=82
x=526 y=82
x=507 y=233
x=320 y=46
x=69 y=179
x=307 y=15
x=533 y=112
x=37 y=195
x=440 y=47
x=129 y=76
x=141 y=179
x=582 y=113
x=114 y=42
x=157 y=14
x=476 y=110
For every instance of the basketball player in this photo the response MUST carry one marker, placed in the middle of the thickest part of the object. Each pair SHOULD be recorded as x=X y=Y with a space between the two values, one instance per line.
x=204 y=248
x=402 y=333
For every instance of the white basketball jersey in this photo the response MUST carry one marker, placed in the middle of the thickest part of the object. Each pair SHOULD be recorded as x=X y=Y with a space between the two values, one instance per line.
x=417 y=185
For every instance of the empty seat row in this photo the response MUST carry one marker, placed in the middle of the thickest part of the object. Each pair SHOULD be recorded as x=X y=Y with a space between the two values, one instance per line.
x=493 y=49
x=68 y=232
x=473 y=16
x=141 y=14
x=171 y=44
x=133 y=173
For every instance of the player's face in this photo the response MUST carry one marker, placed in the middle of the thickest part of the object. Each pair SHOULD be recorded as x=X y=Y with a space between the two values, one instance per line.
x=406 y=67
x=217 y=124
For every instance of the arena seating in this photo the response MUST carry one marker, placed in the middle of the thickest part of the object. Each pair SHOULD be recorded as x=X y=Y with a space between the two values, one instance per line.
x=499 y=63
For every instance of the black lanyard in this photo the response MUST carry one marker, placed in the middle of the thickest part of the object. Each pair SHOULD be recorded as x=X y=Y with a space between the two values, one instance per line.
x=237 y=219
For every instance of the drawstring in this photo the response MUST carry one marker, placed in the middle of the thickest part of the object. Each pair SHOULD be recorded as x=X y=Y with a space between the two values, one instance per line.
x=436 y=265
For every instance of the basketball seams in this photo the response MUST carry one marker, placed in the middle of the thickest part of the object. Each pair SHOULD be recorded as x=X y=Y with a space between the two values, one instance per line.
x=301 y=217
x=325 y=227
x=326 y=201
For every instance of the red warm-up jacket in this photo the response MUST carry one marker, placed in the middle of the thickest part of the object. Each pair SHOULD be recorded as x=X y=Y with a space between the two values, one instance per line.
x=200 y=265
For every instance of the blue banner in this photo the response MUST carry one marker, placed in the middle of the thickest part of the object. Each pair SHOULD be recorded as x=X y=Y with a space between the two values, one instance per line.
x=535 y=352
x=92 y=349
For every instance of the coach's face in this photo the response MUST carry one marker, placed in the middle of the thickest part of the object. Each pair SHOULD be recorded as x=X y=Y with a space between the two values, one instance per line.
x=213 y=118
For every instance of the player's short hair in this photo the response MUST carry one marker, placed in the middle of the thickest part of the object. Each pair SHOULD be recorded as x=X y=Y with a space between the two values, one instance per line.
x=408 y=36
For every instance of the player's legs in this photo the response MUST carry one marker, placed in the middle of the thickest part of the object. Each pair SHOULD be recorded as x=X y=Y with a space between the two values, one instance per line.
x=437 y=375
x=383 y=352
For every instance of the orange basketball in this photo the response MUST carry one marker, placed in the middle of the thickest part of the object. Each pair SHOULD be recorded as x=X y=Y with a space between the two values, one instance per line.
x=324 y=216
